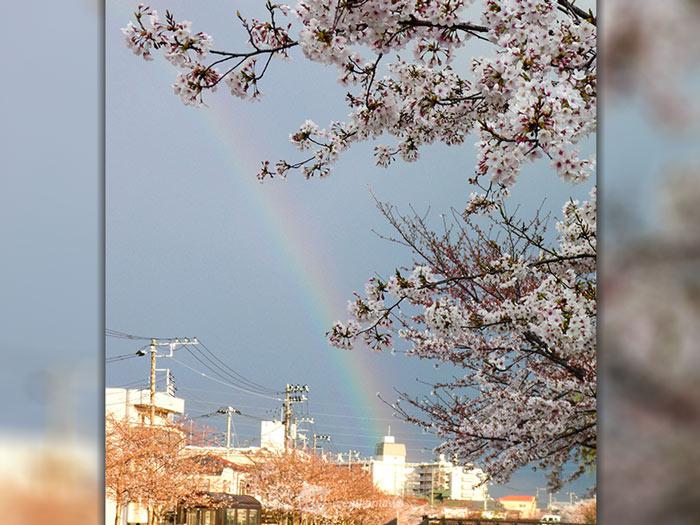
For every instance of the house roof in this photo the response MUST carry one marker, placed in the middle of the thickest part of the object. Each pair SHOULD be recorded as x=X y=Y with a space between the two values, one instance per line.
x=517 y=498
x=214 y=464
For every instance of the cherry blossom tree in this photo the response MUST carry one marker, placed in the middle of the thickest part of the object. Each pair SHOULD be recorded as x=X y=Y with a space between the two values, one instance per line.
x=146 y=465
x=532 y=94
x=515 y=315
x=583 y=511
x=305 y=487
x=514 y=311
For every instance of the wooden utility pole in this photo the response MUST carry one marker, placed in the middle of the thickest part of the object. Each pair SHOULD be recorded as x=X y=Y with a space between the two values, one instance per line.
x=228 y=428
x=154 y=346
x=229 y=411
x=289 y=400
x=320 y=437
x=287 y=416
x=173 y=344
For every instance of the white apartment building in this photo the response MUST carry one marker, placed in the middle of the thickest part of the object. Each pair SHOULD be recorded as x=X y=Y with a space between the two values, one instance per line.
x=272 y=435
x=392 y=474
x=134 y=405
x=389 y=469
x=466 y=483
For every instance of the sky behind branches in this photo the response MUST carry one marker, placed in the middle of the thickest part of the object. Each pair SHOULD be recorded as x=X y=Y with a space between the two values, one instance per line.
x=197 y=247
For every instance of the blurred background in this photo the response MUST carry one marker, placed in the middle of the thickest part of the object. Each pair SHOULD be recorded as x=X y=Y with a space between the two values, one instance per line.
x=649 y=176
x=52 y=309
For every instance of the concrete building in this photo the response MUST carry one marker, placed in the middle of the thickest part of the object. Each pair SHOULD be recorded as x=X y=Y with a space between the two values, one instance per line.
x=467 y=484
x=526 y=506
x=443 y=479
x=389 y=469
x=272 y=435
x=430 y=479
x=440 y=479
x=134 y=406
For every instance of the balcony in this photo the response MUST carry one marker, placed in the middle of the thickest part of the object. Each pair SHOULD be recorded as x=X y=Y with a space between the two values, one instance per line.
x=163 y=402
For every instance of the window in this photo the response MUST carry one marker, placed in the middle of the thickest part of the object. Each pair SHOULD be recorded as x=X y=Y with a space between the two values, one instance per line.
x=253 y=517
x=230 y=516
x=242 y=517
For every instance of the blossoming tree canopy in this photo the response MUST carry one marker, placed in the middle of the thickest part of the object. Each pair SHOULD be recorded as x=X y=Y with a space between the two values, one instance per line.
x=515 y=315
x=515 y=312
x=532 y=93
x=308 y=487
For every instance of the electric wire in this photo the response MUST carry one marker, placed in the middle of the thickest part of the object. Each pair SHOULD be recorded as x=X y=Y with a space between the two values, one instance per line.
x=213 y=367
x=250 y=382
x=225 y=383
x=222 y=375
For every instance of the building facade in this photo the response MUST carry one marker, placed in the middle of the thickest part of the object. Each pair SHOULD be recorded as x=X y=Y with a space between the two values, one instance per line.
x=526 y=506
x=439 y=479
x=133 y=405
x=389 y=469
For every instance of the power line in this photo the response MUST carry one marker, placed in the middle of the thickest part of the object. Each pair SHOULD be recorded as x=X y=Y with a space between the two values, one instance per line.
x=123 y=335
x=216 y=369
x=236 y=387
x=229 y=380
x=237 y=374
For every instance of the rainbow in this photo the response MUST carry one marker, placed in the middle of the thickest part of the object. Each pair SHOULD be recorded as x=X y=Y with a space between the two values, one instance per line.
x=307 y=267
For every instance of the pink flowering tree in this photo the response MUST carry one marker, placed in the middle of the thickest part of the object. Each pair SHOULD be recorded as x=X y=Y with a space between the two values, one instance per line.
x=531 y=95
x=514 y=315
x=509 y=306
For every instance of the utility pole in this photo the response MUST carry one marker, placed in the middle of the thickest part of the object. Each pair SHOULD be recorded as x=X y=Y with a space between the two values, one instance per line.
x=301 y=434
x=229 y=411
x=169 y=381
x=352 y=453
x=319 y=437
x=537 y=493
x=152 y=415
x=153 y=348
x=292 y=394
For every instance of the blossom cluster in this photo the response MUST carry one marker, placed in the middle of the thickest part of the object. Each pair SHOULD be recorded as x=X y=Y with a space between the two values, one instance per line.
x=182 y=48
x=188 y=51
x=518 y=318
x=532 y=95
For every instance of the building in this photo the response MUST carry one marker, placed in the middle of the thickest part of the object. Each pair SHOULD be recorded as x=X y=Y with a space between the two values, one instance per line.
x=272 y=435
x=388 y=468
x=443 y=479
x=134 y=405
x=430 y=480
x=468 y=484
x=219 y=475
x=526 y=506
